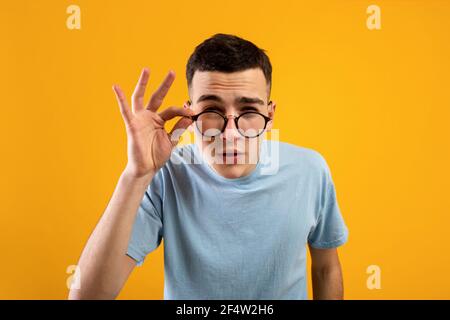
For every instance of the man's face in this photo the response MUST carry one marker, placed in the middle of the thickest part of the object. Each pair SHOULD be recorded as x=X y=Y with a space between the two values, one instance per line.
x=230 y=94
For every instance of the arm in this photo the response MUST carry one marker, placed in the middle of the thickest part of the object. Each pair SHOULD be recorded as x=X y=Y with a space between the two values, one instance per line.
x=326 y=274
x=104 y=266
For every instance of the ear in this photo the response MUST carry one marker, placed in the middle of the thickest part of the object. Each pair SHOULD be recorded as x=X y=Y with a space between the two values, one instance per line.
x=271 y=110
x=188 y=105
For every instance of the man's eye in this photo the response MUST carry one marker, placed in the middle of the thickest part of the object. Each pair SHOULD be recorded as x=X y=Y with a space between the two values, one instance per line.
x=212 y=108
x=249 y=108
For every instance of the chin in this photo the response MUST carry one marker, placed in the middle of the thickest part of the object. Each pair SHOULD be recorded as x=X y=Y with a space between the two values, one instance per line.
x=232 y=171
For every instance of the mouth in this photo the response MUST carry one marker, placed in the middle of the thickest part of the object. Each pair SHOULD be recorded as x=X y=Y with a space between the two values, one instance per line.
x=232 y=153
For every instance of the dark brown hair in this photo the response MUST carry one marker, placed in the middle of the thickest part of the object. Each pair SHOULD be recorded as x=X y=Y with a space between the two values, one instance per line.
x=228 y=53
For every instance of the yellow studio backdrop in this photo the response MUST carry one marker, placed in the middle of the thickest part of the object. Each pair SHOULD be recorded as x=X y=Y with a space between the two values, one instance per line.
x=374 y=102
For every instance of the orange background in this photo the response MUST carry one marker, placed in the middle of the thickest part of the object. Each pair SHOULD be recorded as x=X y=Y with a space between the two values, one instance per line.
x=375 y=103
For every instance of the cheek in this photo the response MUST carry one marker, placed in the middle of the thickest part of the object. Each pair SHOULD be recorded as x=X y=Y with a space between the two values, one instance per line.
x=207 y=144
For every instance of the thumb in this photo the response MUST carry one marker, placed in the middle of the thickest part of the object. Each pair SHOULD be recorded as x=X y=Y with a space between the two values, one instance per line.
x=178 y=129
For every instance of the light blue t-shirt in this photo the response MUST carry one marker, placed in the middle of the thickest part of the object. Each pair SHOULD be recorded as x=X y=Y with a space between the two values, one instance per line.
x=241 y=238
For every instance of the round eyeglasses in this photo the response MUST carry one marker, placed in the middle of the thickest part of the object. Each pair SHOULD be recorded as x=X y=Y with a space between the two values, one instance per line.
x=249 y=124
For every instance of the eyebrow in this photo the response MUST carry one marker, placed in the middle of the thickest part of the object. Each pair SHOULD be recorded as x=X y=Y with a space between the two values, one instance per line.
x=239 y=100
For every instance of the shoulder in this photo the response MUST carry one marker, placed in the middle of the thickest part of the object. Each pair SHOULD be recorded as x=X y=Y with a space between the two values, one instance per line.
x=303 y=158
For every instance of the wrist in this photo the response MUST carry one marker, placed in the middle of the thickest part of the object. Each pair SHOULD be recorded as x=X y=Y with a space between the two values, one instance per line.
x=131 y=175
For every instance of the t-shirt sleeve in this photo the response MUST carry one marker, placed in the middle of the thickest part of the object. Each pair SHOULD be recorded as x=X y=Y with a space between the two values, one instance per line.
x=147 y=231
x=330 y=230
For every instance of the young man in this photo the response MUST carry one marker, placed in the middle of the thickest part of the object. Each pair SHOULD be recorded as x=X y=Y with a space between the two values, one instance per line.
x=233 y=227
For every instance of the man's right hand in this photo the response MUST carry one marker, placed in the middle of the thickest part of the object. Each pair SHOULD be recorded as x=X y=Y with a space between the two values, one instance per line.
x=149 y=145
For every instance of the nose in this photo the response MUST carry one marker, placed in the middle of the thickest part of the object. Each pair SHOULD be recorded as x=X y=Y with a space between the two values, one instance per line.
x=231 y=132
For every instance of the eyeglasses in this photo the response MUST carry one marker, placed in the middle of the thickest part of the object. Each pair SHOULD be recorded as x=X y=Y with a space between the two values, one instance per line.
x=250 y=124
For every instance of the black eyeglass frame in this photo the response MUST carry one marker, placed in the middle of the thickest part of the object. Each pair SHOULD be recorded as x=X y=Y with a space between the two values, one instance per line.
x=236 y=120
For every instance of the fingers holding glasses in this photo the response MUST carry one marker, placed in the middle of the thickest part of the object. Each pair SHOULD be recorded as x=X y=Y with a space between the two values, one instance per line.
x=181 y=125
x=172 y=112
x=178 y=129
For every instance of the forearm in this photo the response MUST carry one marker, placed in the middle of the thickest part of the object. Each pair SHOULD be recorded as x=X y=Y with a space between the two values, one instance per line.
x=327 y=283
x=101 y=261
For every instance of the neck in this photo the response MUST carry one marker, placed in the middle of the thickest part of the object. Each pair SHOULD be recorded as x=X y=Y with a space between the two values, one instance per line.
x=234 y=171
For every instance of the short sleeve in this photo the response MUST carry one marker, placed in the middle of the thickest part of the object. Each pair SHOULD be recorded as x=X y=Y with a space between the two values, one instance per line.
x=330 y=230
x=147 y=231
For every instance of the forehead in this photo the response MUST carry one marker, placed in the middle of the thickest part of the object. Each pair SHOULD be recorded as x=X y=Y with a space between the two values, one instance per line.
x=250 y=82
